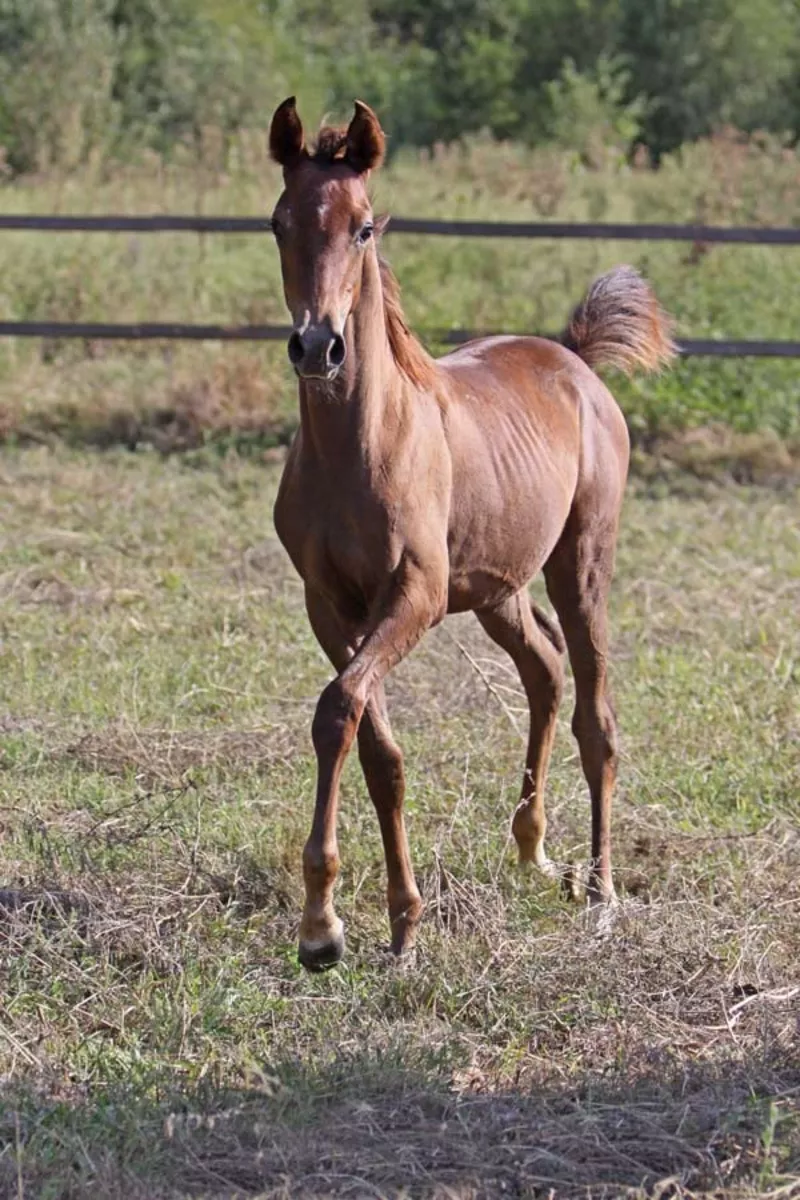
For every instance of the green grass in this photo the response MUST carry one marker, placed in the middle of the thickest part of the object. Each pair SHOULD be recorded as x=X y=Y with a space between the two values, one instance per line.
x=157 y=1037
x=158 y=680
x=174 y=396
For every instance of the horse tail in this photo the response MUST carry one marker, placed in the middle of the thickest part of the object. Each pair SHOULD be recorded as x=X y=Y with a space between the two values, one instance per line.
x=619 y=323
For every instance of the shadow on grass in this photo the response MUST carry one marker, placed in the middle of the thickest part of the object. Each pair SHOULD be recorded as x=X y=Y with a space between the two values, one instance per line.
x=376 y=1126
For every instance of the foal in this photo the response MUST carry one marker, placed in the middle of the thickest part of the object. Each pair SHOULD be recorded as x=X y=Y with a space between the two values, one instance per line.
x=416 y=488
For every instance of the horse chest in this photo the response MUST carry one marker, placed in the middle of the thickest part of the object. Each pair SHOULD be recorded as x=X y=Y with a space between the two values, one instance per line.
x=347 y=551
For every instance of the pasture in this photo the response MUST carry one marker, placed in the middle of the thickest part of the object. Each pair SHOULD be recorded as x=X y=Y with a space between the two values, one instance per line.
x=158 y=1037
x=179 y=396
x=157 y=683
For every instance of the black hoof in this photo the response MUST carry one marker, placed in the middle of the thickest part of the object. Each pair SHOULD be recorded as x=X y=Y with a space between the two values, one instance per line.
x=323 y=956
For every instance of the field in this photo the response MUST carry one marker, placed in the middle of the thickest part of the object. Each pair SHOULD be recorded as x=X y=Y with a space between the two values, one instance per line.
x=157 y=682
x=741 y=415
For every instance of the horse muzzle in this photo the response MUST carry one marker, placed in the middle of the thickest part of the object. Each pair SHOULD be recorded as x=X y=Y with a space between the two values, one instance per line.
x=316 y=352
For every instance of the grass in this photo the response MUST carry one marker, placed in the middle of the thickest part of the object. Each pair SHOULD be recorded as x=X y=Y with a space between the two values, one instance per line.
x=157 y=1038
x=178 y=396
x=157 y=683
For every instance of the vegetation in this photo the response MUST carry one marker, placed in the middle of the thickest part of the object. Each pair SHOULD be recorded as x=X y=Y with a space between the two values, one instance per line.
x=157 y=674
x=157 y=1038
x=87 y=78
x=157 y=680
x=184 y=396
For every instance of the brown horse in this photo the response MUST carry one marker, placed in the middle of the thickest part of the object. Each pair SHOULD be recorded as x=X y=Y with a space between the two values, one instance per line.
x=418 y=487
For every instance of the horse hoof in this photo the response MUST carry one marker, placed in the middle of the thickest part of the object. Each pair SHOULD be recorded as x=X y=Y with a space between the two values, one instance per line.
x=545 y=866
x=321 y=956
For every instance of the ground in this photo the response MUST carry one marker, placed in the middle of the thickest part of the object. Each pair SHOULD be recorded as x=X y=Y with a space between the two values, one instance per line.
x=157 y=1037
x=157 y=682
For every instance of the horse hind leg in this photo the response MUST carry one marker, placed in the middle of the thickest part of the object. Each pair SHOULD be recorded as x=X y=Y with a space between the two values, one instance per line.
x=578 y=577
x=536 y=649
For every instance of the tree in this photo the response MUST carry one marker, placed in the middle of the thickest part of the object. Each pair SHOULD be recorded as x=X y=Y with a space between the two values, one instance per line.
x=57 y=65
x=708 y=63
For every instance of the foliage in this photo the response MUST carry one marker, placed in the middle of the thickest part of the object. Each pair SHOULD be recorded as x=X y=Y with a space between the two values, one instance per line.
x=57 y=65
x=708 y=63
x=82 y=77
x=588 y=112
x=118 y=392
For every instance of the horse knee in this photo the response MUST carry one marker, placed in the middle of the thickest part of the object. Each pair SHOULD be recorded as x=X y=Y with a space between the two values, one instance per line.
x=336 y=719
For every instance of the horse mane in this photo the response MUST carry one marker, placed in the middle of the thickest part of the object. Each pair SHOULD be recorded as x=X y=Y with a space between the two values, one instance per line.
x=408 y=353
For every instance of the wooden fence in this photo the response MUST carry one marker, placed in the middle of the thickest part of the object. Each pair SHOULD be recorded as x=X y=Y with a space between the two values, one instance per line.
x=697 y=234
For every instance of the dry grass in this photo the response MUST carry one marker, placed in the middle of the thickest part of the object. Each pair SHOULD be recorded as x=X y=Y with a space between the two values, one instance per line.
x=185 y=399
x=169 y=755
x=657 y=1060
x=157 y=1038
x=717 y=452
x=157 y=682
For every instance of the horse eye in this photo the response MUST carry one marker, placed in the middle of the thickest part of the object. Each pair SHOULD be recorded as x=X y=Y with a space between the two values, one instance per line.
x=365 y=234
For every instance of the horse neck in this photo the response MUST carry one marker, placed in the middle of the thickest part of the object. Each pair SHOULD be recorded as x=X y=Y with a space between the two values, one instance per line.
x=355 y=415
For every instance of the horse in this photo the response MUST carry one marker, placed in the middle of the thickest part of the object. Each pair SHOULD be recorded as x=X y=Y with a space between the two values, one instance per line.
x=417 y=487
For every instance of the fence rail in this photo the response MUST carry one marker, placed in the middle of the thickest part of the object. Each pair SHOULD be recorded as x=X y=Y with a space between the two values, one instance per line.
x=598 y=231
x=170 y=332
x=161 y=223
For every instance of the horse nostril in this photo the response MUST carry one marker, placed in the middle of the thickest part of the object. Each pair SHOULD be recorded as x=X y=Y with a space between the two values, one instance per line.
x=295 y=349
x=336 y=350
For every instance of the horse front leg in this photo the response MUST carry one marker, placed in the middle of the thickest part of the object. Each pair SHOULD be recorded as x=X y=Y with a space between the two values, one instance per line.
x=382 y=764
x=332 y=732
x=412 y=607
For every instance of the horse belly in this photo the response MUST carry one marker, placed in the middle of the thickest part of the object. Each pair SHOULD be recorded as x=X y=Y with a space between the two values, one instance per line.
x=497 y=548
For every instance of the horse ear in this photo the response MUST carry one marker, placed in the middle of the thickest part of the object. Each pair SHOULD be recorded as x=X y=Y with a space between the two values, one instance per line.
x=286 y=138
x=366 y=141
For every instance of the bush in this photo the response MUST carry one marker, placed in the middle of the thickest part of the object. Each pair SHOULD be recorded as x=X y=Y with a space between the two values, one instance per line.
x=57 y=68
x=704 y=64
x=83 y=78
x=588 y=113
